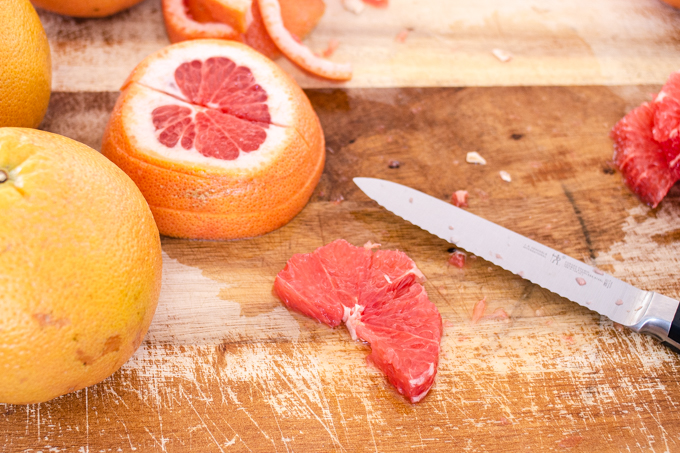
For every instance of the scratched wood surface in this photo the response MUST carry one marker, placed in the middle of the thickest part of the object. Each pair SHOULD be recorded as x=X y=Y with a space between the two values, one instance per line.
x=225 y=367
x=579 y=42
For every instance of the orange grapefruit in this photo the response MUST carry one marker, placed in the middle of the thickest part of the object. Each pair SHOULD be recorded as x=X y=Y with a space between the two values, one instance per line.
x=85 y=8
x=222 y=143
x=80 y=266
x=379 y=297
x=25 y=66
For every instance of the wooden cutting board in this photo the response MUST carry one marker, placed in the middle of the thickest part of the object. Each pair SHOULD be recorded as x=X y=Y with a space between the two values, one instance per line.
x=226 y=367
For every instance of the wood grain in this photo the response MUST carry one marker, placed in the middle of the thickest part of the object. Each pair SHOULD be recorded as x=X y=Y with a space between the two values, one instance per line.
x=580 y=42
x=225 y=367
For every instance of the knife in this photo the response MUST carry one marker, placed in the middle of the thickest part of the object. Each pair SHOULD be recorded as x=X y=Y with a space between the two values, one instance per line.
x=642 y=311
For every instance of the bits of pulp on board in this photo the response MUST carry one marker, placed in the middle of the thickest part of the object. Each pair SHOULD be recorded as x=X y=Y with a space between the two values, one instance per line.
x=473 y=157
x=460 y=198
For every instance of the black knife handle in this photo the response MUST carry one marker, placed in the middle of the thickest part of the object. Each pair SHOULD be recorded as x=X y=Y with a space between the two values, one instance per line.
x=674 y=331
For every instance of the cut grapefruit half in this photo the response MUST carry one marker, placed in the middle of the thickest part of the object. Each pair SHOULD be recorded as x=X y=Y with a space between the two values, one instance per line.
x=640 y=157
x=379 y=297
x=222 y=143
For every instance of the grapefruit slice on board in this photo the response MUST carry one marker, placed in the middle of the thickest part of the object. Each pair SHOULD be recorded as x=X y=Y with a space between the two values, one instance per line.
x=221 y=142
x=639 y=157
x=379 y=297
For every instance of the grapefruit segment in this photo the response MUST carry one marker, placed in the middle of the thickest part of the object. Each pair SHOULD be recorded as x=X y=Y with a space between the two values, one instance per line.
x=409 y=361
x=639 y=156
x=305 y=286
x=380 y=299
x=292 y=48
x=221 y=142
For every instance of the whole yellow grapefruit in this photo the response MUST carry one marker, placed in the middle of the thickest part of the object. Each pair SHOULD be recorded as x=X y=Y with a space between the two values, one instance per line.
x=85 y=8
x=80 y=266
x=25 y=66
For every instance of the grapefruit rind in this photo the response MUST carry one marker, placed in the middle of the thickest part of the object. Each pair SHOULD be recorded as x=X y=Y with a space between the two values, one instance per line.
x=181 y=27
x=293 y=49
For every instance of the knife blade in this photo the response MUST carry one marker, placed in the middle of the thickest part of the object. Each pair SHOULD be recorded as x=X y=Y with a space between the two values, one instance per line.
x=642 y=311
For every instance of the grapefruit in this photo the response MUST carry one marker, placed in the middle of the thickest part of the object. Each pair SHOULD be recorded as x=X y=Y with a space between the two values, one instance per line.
x=25 y=66
x=85 y=8
x=80 y=266
x=379 y=297
x=222 y=143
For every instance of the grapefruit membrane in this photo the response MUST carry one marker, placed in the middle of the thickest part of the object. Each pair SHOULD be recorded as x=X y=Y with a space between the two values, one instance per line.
x=379 y=296
x=221 y=142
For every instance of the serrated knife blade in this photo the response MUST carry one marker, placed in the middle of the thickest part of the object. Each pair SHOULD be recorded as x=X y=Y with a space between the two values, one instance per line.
x=642 y=311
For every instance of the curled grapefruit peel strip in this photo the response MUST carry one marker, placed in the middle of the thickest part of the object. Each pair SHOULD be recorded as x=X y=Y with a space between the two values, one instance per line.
x=293 y=49
x=181 y=27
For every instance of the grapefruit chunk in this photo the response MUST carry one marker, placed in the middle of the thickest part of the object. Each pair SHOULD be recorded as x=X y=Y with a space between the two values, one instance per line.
x=667 y=121
x=379 y=297
x=222 y=143
x=639 y=156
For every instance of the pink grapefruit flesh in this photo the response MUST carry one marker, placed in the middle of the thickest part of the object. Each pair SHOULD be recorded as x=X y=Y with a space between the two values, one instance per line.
x=379 y=297
x=639 y=157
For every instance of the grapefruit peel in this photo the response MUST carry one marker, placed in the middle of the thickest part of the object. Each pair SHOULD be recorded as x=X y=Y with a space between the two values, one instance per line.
x=379 y=297
x=296 y=51
x=181 y=27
